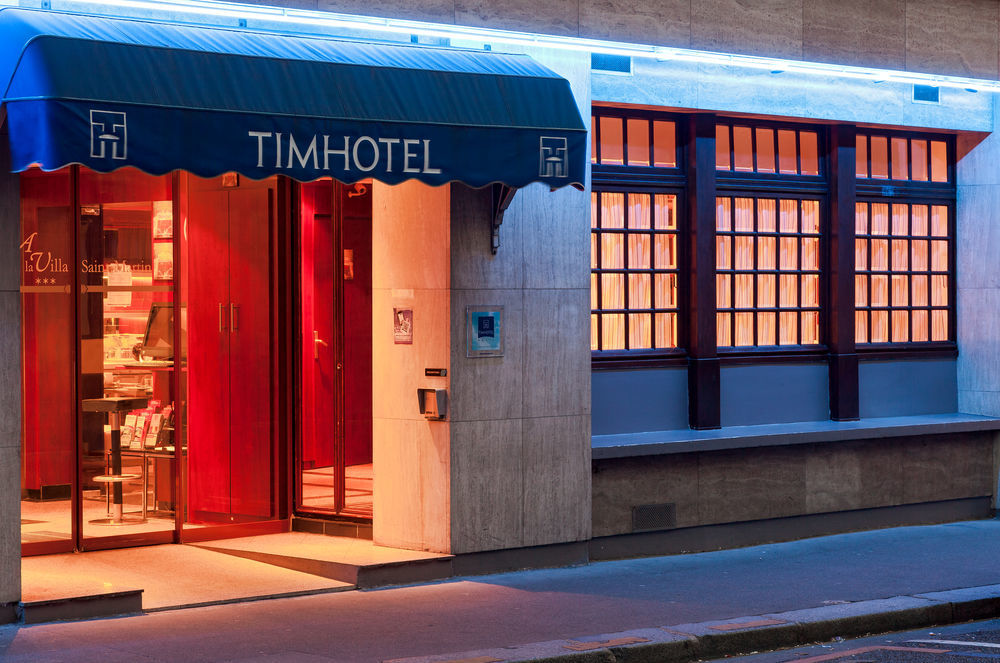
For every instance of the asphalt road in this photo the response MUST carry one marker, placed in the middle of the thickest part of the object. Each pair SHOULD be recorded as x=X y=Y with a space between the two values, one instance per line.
x=977 y=642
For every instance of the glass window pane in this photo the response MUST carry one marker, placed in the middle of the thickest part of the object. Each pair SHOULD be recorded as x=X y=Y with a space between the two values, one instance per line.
x=880 y=290
x=666 y=251
x=900 y=160
x=879 y=219
x=861 y=254
x=789 y=253
x=939 y=325
x=666 y=291
x=593 y=210
x=744 y=329
x=879 y=147
x=638 y=142
x=766 y=221
x=919 y=255
x=743 y=291
x=861 y=218
x=744 y=252
x=939 y=256
x=722 y=161
x=879 y=255
x=723 y=214
x=742 y=149
x=638 y=251
x=612 y=210
x=665 y=216
x=810 y=152
x=860 y=290
x=612 y=291
x=939 y=290
x=593 y=250
x=918 y=220
x=613 y=329
x=900 y=290
x=880 y=327
x=744 y=214
x=638 y=211
x=789 y=216
x=939 y=161
x=594 y=340
x=919 y=294
x=664 y=144
x=640 y=331
x=612 y=141
x=861 y=156
x=921 y=327
x=666 y=330
x=723 y=292
x=900 y=255
x=765 y=291
x=900 y=219
x=788 y=162
x=593 y=291
x=918 y=155
x=766 y=329
x=766 y=253
x=788 y=323
x=765 y=150
x=723 y=330
x=810 y=253
x=612 y=251
x=810 y=328
x=790 y=291
x=861 y=326
x=723 y=252
x=939 y=221
x=810 y=217
x=900 y=326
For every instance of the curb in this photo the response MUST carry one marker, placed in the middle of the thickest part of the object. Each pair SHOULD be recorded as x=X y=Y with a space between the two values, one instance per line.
x=682 y=643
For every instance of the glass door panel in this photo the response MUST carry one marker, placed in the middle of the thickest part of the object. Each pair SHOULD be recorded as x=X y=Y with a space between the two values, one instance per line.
x=48 y=442
x=334 y=459
x=126 y=378
x=226 y=287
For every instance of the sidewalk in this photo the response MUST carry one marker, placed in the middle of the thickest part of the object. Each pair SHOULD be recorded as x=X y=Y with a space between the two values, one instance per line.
x=657 y=609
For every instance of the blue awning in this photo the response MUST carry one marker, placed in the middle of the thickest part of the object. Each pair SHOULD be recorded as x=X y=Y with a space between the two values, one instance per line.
x=108 y=93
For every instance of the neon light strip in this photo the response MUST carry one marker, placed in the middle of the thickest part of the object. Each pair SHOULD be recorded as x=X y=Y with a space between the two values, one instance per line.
x=292 y=17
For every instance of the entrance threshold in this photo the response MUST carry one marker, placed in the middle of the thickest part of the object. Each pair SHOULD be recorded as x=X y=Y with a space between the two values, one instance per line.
x=171 y=576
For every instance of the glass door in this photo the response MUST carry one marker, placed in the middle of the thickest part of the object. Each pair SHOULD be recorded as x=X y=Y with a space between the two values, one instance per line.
x=334 y=451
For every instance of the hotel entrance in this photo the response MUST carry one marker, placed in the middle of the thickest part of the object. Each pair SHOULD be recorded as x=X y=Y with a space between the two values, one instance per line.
x=150 y=376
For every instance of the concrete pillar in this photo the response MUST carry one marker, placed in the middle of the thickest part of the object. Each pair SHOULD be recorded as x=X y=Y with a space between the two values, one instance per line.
x=10 y=383
x=520 y=424
x=410 y=258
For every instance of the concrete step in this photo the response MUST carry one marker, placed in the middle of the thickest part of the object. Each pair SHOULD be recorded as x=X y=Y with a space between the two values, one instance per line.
x=81 y=606
x=354 y=561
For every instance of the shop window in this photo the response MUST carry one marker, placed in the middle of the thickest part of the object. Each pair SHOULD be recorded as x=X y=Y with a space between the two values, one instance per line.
x=766 y=150
x=902 y=273
x=909 y=158
x=622 y=140
x=767 y=271
x=634 y=271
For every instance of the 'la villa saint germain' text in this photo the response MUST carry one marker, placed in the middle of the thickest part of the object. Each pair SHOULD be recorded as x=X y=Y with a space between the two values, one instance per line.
x=364 y=153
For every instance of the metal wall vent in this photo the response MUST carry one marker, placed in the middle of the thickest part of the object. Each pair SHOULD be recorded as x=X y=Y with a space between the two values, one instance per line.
x=619 y=64
x=928 y=94
x=651 y=517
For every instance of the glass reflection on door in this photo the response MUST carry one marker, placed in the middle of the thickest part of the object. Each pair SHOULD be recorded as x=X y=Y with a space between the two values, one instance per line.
x=334 y=453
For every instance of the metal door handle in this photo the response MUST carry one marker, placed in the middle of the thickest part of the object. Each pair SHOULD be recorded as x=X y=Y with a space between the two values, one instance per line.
x=222 y=317
x=234 y=316
x=317 y=341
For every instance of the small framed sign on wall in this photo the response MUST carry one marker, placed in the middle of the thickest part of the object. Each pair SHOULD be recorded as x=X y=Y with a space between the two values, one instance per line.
x=484 y=331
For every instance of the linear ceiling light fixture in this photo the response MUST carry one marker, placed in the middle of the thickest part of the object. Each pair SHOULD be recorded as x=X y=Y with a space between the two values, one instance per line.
x=290 y=18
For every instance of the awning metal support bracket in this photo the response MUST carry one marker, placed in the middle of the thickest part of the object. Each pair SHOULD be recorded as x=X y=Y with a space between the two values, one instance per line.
x=500 y=201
